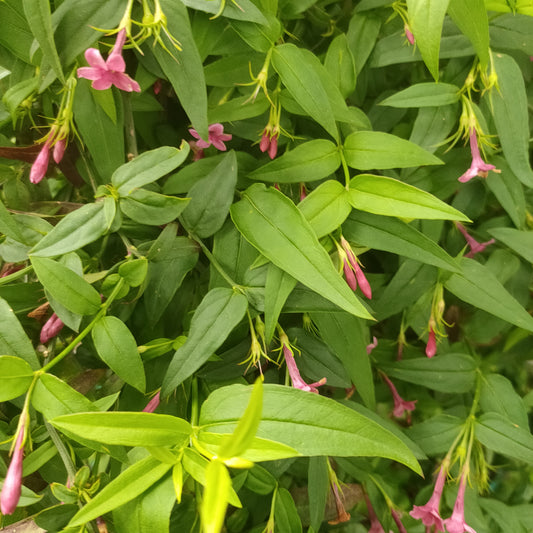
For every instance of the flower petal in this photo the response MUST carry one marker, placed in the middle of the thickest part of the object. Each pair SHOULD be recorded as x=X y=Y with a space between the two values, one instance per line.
x=90 y=73
x=95 y=59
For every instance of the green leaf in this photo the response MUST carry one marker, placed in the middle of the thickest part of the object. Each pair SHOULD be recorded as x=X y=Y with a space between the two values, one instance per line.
x=151 y=208
x=15 y=377
x=497 y=433
x=8 y=226
x=128 y=485
x=74 y=231
x=365 y=150
x=13 y=339
x=168 y=266
x=499 y=396
x=273 y=224
x=69 y=289
x=310 y=161
x=519 y=241
x=340 y=64
x=453 y=373
x=311 y=424
x=362 y=34
x=471 y=18
x=512 y=125
x=53 y=397
x=148 y=167
x=116 y=346
x=211 y=198
x=214 y=319
x=278 y=286
x=215 y=500
x=390 y=197
x=128 y=429
x=318 y=489
x=246 y=429
x=347 y=336
x=185 y=70
x=393 y=235
x=326 y=207
x=304 y=84
x=286 y=515
x=244 y=10
x=259 y=36
x=240 y=108
x=437 y=434
x=103 y=137
x=424 y=95
x=134 y=272
x=478 y=286
x=426 y=18
x=39 y=18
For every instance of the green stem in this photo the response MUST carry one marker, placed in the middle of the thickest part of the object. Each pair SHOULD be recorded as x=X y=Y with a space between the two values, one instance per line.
x=194 y=402
x=129 y=126
x=213 y=260
x=345 y=169
x=15 y=275
x=87 y=330
x=62 y=450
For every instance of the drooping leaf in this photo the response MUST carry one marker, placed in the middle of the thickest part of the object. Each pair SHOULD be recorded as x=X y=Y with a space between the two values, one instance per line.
x=214 y=319
x=312 y=424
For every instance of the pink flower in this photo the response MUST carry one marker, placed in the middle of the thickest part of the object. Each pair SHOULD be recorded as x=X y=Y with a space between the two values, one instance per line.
x=296 y=378
x=431 y=346
x=400 y=405
x=50 y=328
x=353 y=272
x=11 y=489
x=152 y=405
x=198 y=153
x=429 y=513
x=456 y=523
x=110 y=72
x=478 y=167
x=216 y=137
x=475 y=246
x=409 y=34
x=40 y=165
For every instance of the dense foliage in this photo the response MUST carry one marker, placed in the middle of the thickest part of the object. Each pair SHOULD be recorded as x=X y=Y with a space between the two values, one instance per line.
x=266 y=265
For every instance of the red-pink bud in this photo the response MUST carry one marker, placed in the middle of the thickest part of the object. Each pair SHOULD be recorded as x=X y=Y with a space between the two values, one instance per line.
x=349 y=275
x=11 y=489
x=431 y=346
x=59 y=150
x=409 y=35
x=363 y=282
x=50 y=328
x=265 y=142
x=152 y=405
x=40 y=165
x=273 y=148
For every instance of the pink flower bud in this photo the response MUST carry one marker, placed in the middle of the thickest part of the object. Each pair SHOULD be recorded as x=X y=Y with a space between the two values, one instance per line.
x=152 y=405
x=431 y=346
x=265 y=142
x=40 y=165
x=51 y=328
x=59 y=150
x=11 y=489
x=409 y=34
x=273 y=148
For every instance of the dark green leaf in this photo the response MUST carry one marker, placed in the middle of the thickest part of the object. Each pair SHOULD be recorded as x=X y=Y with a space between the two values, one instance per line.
x=424 y=95
x=214 y=319
x=151 y=208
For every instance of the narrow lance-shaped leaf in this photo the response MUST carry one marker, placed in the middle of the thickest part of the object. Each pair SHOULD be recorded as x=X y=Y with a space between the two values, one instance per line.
x=273 y=224
x=365 y=150
x=215 y=500
x=128 y=429
x=309 y=161
x=426 y=18
x=214 y=319
x=39 y=18
x=390 y=197
x=424 y=95
x=128 y=485
x=305 y=85
x=478 y=286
